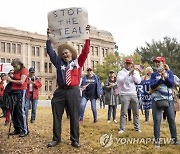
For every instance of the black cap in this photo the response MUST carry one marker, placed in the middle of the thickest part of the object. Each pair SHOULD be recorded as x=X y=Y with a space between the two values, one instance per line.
x=31 y=70
x=2 y=75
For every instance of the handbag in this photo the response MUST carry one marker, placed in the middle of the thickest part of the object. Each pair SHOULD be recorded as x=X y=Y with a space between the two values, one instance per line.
x=164 y=103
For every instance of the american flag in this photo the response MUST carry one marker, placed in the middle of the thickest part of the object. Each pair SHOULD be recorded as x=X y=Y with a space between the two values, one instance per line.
x=139 y=67
x=84 y=87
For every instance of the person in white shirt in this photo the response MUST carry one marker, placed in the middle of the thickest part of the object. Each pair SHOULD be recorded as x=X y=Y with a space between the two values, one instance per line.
x=127 y=79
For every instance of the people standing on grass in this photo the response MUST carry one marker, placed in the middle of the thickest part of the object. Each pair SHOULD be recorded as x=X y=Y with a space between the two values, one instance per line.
x=144 y=89
x=92 y=92
x=18 y=89
x=32 y=94
x=2 y=87
x=111 y=98
x=67 y=94
x=162 y=82
x=127 y=78
x=102 y=98
x=140 y=69
x=7 y=98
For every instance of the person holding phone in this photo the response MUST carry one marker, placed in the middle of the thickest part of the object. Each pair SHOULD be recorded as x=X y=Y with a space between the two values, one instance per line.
x=127 y=79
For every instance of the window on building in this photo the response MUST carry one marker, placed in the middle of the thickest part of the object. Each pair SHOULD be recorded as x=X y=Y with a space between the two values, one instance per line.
x=33 y=51
x=78 y=49
x=103 y=52
x=91 y=50
x=2 y=46
x=8 y=60
x=92 y=64
x=37 y=51
x=81 y=48
x=96 y=51
x=46 y=67
x=33 y=64
x=19 y=48
x=13 y=48
x=2 y=60
x=38 y=67
x=50 y=85
x=106 y=53
x=45 y=52
x=8 y=47
x=50 y=67
x=46 y=85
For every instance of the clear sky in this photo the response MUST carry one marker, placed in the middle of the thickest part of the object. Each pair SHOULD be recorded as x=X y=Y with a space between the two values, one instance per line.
x=131 y=22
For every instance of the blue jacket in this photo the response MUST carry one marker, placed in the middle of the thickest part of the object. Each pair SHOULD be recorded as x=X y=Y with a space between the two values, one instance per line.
x=75 y=65
x=162 y=89
x=99 y=89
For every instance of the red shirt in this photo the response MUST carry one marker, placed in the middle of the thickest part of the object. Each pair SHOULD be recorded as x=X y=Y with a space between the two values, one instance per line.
x=17 y=76
x=1 y=88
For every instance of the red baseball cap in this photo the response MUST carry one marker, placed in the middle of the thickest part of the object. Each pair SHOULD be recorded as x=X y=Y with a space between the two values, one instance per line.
x=161 y=59
x=129 y=60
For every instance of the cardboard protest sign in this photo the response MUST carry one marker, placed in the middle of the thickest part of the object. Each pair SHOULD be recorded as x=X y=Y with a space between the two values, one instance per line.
x=5 y=67
x=68 y=24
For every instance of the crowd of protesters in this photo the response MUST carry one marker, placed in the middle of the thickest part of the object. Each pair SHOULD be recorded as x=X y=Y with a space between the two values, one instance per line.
x=16 y=91
x=130 y=88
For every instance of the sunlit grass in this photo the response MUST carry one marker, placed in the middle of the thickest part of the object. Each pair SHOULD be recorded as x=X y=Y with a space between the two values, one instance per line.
x=90 y=134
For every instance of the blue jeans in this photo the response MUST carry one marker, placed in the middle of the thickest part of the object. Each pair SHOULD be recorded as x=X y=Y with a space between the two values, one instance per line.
x=83 y=106
x=157 y=116
x=112 y=110
x=34 y=103
x=146 y=113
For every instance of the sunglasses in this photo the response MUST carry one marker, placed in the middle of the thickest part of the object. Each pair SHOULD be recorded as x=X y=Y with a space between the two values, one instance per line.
x=157 y=61
x=89 y=70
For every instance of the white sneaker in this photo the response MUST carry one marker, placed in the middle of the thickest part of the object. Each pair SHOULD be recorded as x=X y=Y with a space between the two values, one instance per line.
x=157 y=144
x=108 y=121
x=115 y=121
x=139 y=131
x=121 y=132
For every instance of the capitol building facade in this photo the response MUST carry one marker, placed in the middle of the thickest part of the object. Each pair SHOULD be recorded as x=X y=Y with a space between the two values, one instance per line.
x=31 y=48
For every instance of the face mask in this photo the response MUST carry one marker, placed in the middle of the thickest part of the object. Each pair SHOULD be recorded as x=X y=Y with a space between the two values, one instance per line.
x=160 y=68
x=17 y=68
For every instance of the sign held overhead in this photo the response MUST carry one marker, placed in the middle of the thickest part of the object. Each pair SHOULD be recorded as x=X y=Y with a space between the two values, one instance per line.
x=68 y=24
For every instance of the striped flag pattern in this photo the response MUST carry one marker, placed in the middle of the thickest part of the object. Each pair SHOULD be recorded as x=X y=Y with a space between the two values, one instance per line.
x=139 y=67
x=68 y=76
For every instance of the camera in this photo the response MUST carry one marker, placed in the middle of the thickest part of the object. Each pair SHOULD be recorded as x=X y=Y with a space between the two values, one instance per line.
x=33 y=79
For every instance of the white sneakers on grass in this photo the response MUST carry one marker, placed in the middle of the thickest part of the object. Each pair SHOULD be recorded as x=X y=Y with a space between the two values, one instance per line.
x=115 y=121
x=109 y=121
x=139 y=131
x=121 y=132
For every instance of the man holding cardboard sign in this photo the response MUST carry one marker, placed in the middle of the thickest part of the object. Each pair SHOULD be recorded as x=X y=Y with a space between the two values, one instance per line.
x=67 y=94
x=68 y=24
